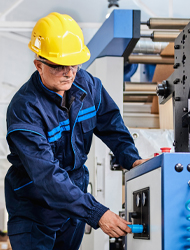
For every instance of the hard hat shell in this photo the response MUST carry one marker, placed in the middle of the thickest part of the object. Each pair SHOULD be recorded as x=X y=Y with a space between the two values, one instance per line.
x=59 y=39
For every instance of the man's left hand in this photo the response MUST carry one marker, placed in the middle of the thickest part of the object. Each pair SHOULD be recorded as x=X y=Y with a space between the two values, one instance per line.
x=138 y=162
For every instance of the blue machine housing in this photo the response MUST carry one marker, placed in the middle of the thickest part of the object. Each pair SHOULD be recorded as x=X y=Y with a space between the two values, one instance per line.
x=117 y=36
x=175 y=192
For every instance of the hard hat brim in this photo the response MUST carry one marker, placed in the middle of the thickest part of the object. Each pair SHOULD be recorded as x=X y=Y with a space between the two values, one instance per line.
x=66 y=59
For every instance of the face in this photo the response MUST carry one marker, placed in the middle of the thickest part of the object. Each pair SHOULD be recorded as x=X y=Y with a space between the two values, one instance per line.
x=58 y=83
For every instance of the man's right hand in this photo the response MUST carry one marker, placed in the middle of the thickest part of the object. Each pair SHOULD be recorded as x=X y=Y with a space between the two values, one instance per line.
x=113 y=225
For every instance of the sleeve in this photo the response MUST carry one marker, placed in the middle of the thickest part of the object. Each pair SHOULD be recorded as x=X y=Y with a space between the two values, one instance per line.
x=112 y=131
x=52 y=181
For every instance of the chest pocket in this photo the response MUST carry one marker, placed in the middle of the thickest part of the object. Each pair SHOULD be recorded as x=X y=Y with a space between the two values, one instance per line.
x=62 y=150
x=88 y=126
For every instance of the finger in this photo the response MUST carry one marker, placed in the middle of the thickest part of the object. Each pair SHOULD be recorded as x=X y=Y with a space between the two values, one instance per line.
x=124 y=221
x=121 y=223
x=110 y=230
x=113 y=234
x=127 y=222
x=126 y=230
x=113 y=230
x=120 y=232
x=124 y=227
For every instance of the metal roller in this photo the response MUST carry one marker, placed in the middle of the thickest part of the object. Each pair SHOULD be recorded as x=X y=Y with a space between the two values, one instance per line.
x=162 y=36
x=167 y=23
x=149 y=47
x=150 y=59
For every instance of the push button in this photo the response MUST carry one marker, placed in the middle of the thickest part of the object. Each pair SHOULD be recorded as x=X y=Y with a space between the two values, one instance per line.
x=179 y=167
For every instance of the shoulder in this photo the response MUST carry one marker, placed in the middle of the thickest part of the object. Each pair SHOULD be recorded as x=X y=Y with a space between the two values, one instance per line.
x=23 y=106
x=26 y=93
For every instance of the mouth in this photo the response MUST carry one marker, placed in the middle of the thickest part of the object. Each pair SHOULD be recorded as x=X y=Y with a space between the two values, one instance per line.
x=67 y=80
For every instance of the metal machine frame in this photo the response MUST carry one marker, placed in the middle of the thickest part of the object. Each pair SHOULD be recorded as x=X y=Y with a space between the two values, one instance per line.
x=177 y=86
x=117 y=36
x=171 y=231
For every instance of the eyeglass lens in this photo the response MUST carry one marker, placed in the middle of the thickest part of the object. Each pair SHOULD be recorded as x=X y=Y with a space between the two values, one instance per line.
x=60 y=69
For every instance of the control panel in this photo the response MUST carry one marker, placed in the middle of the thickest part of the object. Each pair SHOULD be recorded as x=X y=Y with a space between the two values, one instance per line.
x=158 y=198
x=141 y=212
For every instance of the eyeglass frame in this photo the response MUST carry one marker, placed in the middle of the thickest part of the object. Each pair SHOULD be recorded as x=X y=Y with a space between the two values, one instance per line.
x=54 y=66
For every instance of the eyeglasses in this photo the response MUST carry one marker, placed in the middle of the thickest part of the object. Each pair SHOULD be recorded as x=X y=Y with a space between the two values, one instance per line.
x=61 y=70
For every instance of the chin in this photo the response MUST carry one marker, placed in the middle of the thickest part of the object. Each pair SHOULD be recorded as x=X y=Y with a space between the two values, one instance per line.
x=67 y=87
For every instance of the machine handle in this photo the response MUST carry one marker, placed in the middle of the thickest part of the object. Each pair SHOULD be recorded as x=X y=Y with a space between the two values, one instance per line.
x=133 y=215
x=136 y=229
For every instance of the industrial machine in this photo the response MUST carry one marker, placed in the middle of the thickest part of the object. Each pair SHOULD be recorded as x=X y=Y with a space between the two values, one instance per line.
x=158 y=191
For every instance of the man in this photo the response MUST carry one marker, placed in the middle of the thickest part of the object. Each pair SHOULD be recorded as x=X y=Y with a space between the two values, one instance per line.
x=50 y=123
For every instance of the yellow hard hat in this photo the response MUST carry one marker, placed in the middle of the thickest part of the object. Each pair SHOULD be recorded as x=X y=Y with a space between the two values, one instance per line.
x=59 y=39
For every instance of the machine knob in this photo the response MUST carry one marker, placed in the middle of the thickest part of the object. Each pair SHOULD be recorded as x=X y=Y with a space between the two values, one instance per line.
x=162 y=88
x=177 y=46
x=188 y=167
x=135 y=215
x=179 y=167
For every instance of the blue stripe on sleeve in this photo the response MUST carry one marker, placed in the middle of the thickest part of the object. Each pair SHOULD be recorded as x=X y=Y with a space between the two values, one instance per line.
x=23 y=186
x=27 y=130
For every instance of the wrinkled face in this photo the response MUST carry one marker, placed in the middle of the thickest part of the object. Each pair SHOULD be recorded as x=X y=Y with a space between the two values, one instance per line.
x=58 y=79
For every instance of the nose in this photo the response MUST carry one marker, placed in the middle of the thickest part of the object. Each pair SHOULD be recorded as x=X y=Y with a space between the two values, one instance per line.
x=70 y=72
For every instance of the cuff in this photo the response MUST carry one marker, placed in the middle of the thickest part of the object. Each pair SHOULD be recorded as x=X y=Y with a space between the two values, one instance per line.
x=130 y=160
x=96 y=214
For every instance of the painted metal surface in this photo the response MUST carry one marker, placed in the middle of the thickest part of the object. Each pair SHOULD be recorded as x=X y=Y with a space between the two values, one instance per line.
x=175 y=192
x=117 y=36
x=177 y=87
x=151 y=180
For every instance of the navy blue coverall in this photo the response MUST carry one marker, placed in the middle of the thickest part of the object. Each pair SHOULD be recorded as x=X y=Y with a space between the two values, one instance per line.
x=46 y=186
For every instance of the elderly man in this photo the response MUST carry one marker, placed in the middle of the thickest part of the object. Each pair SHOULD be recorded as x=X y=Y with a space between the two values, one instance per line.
x=50 y=123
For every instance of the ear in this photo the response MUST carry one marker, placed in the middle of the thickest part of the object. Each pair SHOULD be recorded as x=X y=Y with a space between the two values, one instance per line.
x=38 y=66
